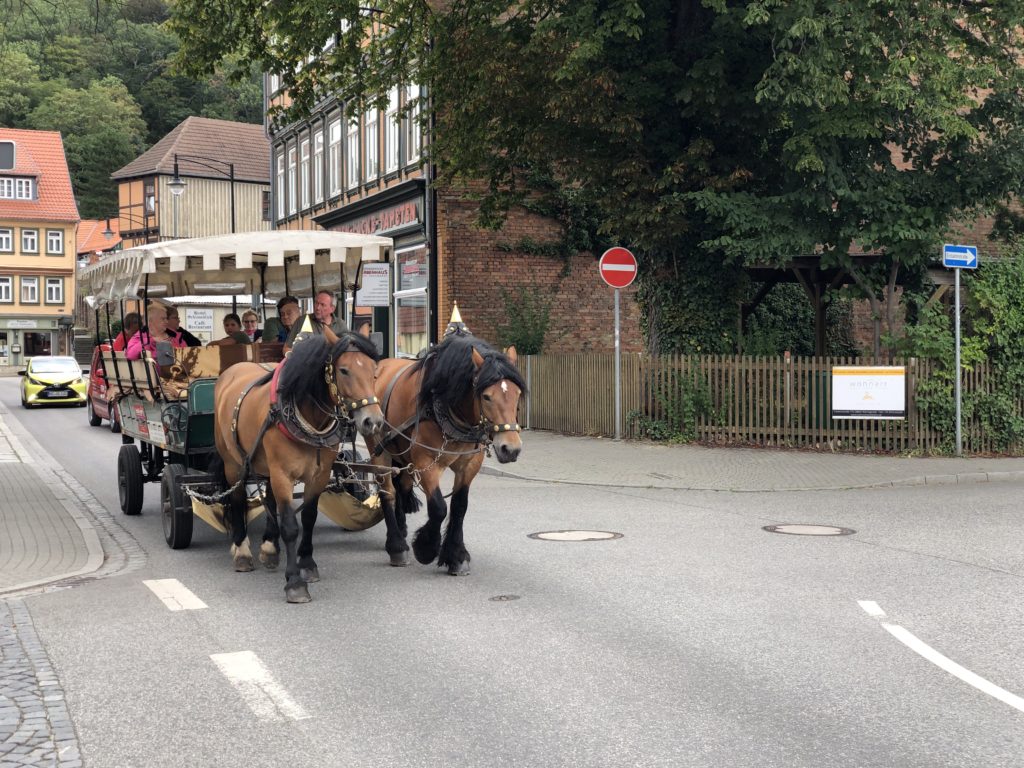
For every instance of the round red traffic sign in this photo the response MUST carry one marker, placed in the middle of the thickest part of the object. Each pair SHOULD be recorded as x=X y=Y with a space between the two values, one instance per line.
x=617 y=267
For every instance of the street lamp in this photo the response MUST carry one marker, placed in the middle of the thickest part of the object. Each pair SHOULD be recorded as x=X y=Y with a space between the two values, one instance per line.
x=177 y=184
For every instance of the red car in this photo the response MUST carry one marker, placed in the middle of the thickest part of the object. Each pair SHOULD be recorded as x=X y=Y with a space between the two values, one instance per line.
x=97 y=407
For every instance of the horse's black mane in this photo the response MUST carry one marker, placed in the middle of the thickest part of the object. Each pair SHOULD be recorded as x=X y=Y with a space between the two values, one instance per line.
x=448 y=370
x=303 y=374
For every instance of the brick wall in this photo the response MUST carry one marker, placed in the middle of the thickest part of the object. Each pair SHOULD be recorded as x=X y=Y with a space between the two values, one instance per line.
x=474 y=269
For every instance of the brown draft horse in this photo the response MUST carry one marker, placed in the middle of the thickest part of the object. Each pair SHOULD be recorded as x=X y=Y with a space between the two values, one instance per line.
x=286 y=427
x=442 y=411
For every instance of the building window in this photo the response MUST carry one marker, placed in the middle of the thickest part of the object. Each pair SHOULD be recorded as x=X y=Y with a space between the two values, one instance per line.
x=372 y=144
x=30 y=241
x=413 y=136
x=279 y=188
x=23 y=189
x=150 y=196
x=6 y=188
x=304 y=173
x=265 y=204
x=318 y=167
x=55 y=241
x=352 y=154
x=334 y=158
x=293 y=200
x=6 y=289
x=392 y=128
x=6 y=155
x=54 y=290
x=29 y=290
x=6 y=240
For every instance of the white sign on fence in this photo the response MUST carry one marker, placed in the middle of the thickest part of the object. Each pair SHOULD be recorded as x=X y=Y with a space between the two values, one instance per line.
x=869 y=392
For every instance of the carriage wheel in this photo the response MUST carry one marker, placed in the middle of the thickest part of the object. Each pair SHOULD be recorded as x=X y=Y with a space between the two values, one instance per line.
x=94 y=420
x=176 y=508
x=129 y=479
x=115 y=424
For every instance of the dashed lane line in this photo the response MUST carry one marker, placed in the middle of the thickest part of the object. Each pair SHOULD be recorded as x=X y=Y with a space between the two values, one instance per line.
x=175 y=595
x=265 y=696
x=924 y=650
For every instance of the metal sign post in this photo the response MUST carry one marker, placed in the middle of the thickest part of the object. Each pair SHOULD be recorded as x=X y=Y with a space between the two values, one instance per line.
x=618 y=269
x=957 y=257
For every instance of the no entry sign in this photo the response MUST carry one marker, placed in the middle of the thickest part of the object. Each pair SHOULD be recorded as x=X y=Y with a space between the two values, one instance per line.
x=617 y=267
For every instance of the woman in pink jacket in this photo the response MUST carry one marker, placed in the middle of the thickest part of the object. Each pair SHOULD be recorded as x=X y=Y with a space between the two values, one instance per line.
x=147 y=339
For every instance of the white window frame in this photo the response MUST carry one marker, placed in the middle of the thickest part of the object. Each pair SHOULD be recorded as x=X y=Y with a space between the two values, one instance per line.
x=30 y=241
x=304 y=179
x=6 y=290
x=23 y=189
x=54 y=290
x=55 y=241
x=371 y=168
x=413 y=134
x=279 y=187
x=292 y=180
x=29 y=290
x=392 y=133
x=352 y=154
x=318 y=167
x=334 y=157
x=6 y=188
x=6 y=240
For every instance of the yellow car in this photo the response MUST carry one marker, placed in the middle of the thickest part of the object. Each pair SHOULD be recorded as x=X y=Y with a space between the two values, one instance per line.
x=52 y=380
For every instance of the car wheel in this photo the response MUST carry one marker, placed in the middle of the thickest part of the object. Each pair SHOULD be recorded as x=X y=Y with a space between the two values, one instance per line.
x=176 y=508
x=94 y=420
x=129 y=479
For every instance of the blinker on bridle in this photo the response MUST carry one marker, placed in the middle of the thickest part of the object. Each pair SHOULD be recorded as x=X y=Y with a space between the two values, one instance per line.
x=351 y=405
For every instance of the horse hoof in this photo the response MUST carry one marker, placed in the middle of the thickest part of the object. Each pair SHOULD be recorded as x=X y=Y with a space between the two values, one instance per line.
x=309 y=575
x=400 y=559
x=299 y=594
x=269 y=556
x=243 y=564
x=458 y=569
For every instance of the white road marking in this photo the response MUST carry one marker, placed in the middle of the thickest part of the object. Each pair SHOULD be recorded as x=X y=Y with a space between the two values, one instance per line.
x=872 y=608
x=945 y=663
x=264 y=695
x=175 y=595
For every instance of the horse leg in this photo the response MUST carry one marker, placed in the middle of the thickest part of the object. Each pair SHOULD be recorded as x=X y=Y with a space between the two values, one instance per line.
x=241 y=555
x=395 y=544
x=307 y=565
x=406 y=503
x=295 y=588
x=270 y=549
x=454 y=554
x=427 y=543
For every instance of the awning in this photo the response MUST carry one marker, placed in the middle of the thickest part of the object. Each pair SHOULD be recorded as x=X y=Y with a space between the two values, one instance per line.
x=231 y=264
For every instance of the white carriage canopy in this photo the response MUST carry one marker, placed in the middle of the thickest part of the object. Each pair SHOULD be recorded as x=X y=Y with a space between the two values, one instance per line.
x=273 y=263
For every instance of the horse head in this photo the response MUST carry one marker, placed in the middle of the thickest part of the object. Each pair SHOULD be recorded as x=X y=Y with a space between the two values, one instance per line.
x=498 y=386
x=354 y=362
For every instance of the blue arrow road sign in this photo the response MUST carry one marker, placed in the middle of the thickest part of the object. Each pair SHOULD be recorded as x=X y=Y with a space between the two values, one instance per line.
x=960 y=256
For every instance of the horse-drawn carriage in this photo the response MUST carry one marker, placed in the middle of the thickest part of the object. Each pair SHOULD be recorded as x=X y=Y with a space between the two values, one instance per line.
x=165 y=405
x=279 y=423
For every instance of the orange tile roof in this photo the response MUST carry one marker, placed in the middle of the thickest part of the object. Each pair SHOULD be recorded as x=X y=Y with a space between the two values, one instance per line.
x=40 y=154
x=90 y=235
x=243 y=144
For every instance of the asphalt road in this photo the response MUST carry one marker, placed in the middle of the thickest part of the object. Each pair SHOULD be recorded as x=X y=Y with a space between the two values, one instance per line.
x=696 y=639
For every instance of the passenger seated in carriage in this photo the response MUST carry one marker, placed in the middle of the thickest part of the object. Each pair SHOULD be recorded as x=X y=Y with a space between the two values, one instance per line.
x=129 y=326
x=233 y=329
x=145 y=340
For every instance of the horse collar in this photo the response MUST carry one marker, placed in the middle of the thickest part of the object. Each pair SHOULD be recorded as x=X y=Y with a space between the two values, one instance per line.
x=296 y=428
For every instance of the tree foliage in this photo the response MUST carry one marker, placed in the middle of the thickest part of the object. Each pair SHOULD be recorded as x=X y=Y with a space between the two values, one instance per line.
x=101 y=73
x=706 y=133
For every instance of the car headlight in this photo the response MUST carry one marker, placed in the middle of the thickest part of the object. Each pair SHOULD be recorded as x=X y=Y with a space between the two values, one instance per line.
x=36 y=383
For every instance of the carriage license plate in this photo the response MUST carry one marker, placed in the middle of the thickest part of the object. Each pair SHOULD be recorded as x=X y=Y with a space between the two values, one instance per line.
x=56 y=393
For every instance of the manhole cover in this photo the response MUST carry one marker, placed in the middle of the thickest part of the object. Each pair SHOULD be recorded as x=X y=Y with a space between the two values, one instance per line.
x=575 y=535
x=503 y=598
x=795 y=529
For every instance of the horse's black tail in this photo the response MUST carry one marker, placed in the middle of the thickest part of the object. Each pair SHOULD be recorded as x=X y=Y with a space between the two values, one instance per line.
x=215 y=466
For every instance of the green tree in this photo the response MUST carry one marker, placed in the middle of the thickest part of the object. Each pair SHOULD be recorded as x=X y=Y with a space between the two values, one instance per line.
x=707 y=133
x=103 y=130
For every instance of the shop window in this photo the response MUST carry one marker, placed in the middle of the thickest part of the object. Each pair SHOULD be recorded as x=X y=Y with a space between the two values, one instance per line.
x=30 y=241
x=29 y=290
x=36 y=344
x=54 y=290
x=412 y=319
x=55 y=241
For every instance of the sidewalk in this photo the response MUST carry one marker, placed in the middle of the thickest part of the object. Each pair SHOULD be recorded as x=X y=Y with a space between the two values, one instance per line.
x=549 y=457
x=44 y=537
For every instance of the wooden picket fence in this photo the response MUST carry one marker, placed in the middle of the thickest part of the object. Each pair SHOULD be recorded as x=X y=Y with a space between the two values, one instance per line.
x=731 y=399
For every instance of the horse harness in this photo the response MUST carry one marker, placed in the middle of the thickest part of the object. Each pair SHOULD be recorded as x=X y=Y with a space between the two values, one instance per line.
x=453 y=428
